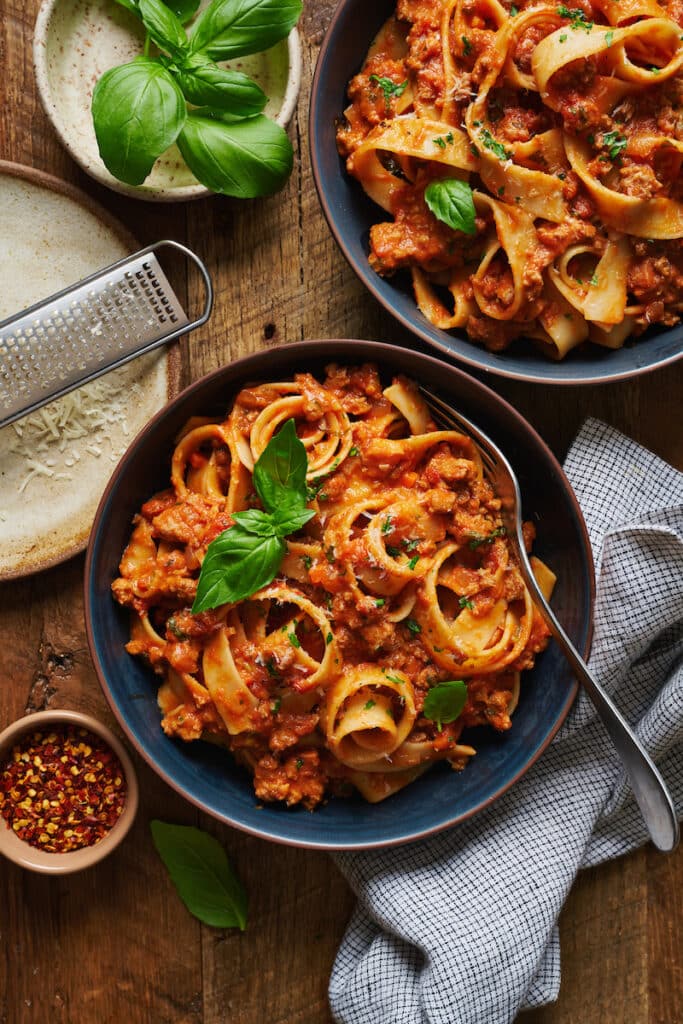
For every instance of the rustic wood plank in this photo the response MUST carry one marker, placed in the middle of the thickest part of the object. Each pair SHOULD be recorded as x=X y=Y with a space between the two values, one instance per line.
x=116 y=943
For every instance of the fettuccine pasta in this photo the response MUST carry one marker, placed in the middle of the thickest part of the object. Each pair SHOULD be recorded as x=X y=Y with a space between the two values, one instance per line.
x=566 y=124
x=401 y=583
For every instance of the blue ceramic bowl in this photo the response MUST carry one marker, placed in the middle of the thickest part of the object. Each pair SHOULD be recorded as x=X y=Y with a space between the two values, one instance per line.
x=350 y=214
x=207 y=775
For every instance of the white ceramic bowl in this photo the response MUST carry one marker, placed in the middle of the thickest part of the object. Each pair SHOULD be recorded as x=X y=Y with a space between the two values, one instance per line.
x=76 y=41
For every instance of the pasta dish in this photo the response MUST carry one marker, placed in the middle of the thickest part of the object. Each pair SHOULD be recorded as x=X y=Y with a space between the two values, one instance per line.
x=390 y=617
x=529 y=156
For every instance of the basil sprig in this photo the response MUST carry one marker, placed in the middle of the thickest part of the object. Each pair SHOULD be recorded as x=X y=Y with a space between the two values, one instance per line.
x=140 y=109
x=445 y=701
x=247 y=556
x=233 y=28
x=202 y=874
x=450 y=200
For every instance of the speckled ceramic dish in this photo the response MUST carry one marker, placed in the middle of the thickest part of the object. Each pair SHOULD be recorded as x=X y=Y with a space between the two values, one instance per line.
x=35 y=859
x=206 y=774
x=76 y=41
x=55 y=463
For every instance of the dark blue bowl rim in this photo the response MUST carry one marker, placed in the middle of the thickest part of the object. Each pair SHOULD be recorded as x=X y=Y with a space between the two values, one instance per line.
x=251 y=367
x=561 y=373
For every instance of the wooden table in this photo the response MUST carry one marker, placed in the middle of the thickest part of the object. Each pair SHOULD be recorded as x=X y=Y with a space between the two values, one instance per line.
x=115 y=944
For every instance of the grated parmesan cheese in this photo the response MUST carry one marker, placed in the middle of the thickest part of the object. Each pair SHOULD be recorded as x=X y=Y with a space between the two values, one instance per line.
x=47 y=440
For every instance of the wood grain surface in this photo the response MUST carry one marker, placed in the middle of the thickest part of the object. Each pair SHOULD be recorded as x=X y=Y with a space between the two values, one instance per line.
x=115 y=944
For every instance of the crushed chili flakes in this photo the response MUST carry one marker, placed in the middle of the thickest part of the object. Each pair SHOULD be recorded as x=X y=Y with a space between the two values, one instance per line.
x=61 y=789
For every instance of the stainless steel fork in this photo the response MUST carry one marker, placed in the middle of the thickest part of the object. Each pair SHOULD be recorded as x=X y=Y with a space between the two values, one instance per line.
x=652 y=796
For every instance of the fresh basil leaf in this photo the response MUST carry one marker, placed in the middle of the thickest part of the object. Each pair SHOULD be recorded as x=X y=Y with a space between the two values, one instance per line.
x=256 y=522
x=232 y=28
x=237 y=564
x=202 y=874
x=280 y=472
x=183 y=9
x=203 y=83
x=163 y=26
x=450 y=200
x=248 y=159
x=445 y=701
x=290 y=519
x=137 y=111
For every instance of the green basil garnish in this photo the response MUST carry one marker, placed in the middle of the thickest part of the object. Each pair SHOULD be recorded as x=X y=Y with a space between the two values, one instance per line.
x=138 y=111
x=164 y=28
x=232 y=28
x=205 y=84
x=247 y=159
x=202 y=874
x=450 y=200
x=445 y=701
x=248 y=555
x=140 y=108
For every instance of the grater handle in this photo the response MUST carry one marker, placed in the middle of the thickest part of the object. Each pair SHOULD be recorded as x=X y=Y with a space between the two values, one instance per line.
x=42 y=355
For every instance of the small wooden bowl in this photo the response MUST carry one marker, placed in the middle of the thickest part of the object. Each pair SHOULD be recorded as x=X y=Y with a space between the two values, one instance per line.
x=30 y=857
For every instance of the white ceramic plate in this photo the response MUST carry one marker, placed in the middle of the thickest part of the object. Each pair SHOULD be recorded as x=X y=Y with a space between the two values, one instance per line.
x=55 y=463
x=76 y=41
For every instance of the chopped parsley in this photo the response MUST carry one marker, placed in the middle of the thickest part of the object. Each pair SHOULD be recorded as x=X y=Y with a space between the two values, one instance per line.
x=514 y=11
x=615 y=144
x=410 y=545
x=299 y=763
x=379 y=602
x=609 y=36
x=438 y=141
x=329 y=554
x=386 y=525
x=497 y=148
x=466 y=46
x=329 y=638
x=353 y=452
x=577 y=19
x=413 y=562
x=273 y=671
x=594 y=280
x=394 y=679
x=369 y=706
x=275 y=706
x=413 y=626
x=389 y=88
x=294 y=640
x=394 y=552
x=465 y=602
x=307 y=560
x=563 y=37
x=479 y=538
x=450 y=137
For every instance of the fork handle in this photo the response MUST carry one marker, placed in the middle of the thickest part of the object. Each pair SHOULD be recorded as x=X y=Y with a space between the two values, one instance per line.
x=649 y=788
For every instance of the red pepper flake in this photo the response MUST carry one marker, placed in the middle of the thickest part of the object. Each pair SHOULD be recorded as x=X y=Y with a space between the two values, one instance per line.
x=61 y=790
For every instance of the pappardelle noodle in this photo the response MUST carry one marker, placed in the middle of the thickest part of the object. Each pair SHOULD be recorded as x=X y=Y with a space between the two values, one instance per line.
x=394 y=618
x=529 y=155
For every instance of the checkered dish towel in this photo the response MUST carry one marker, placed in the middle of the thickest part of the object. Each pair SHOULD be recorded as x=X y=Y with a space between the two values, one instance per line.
x=461 y=928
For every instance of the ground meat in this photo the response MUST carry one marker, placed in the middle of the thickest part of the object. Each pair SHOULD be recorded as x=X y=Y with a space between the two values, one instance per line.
x=439 y=500
x=640 y=181
x=298 y=779
x=444 y=466
x=290 y=728
x=415 y=237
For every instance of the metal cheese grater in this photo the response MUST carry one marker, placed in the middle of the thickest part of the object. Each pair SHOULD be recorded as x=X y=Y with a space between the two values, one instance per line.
x=93 y=326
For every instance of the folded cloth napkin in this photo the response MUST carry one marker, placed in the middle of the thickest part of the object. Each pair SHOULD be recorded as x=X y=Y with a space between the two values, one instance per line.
x=461 y=928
